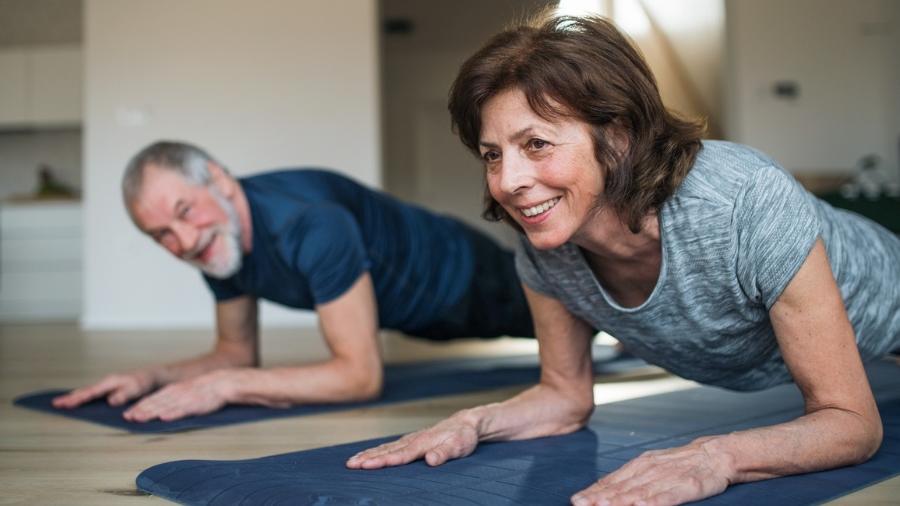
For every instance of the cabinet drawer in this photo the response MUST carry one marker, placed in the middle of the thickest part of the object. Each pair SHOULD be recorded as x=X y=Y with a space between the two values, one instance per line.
x=62 y=219
x=16 y=251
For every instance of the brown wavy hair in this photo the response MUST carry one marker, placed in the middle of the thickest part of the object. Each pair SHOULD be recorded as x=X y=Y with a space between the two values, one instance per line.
x=586 y=69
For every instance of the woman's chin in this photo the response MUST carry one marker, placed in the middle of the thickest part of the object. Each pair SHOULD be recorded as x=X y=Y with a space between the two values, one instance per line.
x=544 y=240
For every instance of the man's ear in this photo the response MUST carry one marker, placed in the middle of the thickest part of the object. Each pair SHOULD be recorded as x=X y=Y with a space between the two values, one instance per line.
x=223 y=182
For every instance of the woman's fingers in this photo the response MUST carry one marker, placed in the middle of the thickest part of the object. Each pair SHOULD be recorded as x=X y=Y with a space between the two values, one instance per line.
x=445 y=441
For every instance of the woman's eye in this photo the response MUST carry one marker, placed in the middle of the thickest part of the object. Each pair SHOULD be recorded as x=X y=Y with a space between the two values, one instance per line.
x=490 y=156
x=538 y=144
x=185 y=211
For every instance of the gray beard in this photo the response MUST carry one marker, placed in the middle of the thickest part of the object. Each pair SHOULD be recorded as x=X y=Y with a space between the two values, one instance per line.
x=231 y=235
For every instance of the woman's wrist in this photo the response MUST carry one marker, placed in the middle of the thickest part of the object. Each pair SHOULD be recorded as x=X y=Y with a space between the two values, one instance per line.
x=722 y=456
x=479 y=418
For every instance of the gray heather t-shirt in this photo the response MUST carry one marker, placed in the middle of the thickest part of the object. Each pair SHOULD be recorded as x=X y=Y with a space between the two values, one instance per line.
x=733 y=236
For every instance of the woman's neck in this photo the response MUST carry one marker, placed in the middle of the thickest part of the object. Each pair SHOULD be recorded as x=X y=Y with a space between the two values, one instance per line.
x=607 y=237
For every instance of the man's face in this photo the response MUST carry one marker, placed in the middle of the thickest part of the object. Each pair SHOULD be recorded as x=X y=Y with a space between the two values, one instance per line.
x=197 y=224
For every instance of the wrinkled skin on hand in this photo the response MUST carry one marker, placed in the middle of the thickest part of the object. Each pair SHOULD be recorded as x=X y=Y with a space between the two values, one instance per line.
x=450 y=439
x=662 y=477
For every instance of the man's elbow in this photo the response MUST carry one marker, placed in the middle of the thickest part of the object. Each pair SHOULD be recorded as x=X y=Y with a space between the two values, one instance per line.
x=366 y=384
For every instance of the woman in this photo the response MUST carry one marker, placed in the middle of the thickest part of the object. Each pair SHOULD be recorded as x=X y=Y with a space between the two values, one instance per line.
x=705 y=258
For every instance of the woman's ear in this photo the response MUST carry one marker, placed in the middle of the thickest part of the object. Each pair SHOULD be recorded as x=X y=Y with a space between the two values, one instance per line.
x=618 y=138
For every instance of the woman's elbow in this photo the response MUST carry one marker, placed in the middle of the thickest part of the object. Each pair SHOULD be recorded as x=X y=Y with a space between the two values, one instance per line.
x=862 y=439
x=871 y=440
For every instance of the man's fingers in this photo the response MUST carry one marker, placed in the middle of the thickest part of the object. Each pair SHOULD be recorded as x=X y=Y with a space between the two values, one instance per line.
x=149 y=408
x=79 y=396
x=124 y=394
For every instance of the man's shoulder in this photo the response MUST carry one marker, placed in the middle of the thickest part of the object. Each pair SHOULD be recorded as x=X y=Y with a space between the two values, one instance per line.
x=287 y=177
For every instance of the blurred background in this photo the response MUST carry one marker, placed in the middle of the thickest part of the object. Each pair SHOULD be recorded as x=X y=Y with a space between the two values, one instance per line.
x=360 y=86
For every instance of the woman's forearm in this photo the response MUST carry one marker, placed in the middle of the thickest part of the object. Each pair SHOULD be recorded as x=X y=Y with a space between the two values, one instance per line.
x=824 y=439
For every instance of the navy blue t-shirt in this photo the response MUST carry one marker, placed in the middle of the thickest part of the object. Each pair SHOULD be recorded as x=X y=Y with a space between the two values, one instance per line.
x=316 y=232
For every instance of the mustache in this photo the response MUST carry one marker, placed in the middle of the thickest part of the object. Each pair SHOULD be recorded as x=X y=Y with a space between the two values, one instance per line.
x=205 y=240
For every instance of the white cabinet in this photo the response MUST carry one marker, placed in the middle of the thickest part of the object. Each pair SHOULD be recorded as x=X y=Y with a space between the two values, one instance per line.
x=40 y=86
x=13 y=86
x=40 y=261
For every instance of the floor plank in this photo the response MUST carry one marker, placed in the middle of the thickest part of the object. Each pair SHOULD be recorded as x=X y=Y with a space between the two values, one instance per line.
x=54 y=460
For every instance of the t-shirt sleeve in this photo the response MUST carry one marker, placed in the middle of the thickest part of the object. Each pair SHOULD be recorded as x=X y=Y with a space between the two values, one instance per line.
x=527 y=267
x=222 y=289
x=776 y=227
x=326 y=245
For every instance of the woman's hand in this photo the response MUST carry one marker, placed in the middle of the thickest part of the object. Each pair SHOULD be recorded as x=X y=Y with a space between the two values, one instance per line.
x=662 y=477
x=452 y=438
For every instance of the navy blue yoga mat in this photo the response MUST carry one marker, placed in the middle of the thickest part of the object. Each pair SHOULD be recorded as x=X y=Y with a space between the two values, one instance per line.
x=540 y=471
x=402 y=383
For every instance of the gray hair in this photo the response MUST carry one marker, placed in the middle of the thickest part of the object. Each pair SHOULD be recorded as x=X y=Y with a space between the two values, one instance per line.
x=187 y=160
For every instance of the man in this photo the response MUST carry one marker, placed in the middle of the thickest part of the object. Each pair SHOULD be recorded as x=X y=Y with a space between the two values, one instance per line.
x=307 y=239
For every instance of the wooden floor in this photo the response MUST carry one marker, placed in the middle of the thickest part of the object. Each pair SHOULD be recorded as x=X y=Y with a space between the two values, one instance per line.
x=53 y=460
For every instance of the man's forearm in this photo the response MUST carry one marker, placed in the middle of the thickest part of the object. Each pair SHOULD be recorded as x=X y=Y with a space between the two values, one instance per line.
x=325 y=382
x=824 y=439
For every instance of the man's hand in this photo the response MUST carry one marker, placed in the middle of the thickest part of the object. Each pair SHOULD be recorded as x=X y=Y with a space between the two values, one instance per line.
x=117 y=388
x=196 y=396
x=452 y=438
x=663 y=477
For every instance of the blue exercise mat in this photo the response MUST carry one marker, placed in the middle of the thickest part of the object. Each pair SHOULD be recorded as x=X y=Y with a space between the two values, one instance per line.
x=402 y=383
x=539 y=471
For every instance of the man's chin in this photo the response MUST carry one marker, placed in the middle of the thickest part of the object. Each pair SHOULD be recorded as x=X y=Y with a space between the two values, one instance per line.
x=218 y=271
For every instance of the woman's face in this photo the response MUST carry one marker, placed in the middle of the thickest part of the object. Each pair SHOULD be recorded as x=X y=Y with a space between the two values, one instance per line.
x=542 y=172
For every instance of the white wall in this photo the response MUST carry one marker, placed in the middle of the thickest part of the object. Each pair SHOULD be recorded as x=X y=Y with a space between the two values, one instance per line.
x=424 y=161
x=694 y=32
x=842 y=53
x=259 y=84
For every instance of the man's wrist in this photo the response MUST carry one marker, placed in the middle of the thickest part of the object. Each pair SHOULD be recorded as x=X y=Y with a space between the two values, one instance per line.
x=231 y=383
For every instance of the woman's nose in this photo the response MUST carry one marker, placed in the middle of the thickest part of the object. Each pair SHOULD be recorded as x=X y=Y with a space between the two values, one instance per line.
x=516 y=175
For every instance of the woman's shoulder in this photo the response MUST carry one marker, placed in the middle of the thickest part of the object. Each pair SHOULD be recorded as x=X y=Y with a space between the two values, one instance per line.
x=721 y=170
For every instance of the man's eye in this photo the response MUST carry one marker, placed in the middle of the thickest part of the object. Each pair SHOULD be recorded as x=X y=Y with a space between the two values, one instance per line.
x=490 y=156
x=185 y=211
